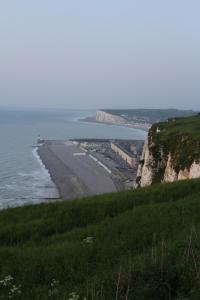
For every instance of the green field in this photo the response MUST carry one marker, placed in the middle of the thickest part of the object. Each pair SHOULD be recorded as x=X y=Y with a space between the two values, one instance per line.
x=142 y=244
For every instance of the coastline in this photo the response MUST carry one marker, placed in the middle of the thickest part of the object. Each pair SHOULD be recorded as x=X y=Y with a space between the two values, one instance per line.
x=75 y=174
x=24 y=180
x=45 y=170
x=47 y=162
x=131 y=126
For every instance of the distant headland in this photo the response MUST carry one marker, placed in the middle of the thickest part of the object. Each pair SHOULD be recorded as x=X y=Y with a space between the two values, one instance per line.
x=136 y=118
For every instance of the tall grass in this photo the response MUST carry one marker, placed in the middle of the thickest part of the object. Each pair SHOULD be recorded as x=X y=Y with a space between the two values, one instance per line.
x=142 y=244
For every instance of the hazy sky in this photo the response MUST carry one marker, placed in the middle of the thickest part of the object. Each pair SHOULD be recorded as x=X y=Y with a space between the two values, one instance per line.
x=100 y=53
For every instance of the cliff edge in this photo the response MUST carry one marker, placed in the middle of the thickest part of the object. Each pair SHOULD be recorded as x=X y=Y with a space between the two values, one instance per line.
x=104 y=117
x=171 y=152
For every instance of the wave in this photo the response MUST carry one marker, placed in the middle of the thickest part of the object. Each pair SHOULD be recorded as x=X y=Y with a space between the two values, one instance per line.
x=43 y=176
x=28 y=187
x=10 y=202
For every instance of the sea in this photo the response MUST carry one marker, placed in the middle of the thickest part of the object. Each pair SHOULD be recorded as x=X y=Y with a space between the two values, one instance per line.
x=23 y=178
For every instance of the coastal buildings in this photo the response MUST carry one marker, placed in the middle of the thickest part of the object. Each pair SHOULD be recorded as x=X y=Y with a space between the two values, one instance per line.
x=126 y=152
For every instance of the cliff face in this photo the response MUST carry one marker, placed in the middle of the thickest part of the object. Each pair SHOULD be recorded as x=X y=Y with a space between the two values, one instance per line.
x=105 y=117
x=188 y=173
x=145 y=171
x=171 y=152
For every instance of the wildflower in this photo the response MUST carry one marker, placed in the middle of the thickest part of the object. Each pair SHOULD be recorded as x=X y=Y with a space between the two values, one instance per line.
x=6 y=281
x=10 y=290
x=88 y=240
x=74 y=296
x=53 y=287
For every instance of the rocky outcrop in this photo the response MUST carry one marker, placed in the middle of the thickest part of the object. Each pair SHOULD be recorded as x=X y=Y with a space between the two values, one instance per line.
x=104 y=117
x=145 y=171
x=150 y=170
x=167 y=157
x=107 y=117
x=188 y=173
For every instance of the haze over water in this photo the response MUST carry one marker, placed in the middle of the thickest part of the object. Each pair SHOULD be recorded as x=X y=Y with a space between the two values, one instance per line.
x=23 y=179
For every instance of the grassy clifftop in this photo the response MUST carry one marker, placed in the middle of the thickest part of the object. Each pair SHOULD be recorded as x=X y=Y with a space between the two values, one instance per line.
x=179 y=126
x=180 y=137
x=150 y=115
x=143 y=244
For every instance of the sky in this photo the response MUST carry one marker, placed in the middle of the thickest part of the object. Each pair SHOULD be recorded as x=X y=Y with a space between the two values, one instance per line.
x=100 y=53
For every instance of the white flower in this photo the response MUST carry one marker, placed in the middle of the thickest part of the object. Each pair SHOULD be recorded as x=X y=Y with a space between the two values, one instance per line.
x=88 y=240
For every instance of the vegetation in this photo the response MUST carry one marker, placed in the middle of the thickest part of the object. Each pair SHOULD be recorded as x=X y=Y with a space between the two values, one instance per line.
x=141 y=244
x=181 y=138
x=150 y=115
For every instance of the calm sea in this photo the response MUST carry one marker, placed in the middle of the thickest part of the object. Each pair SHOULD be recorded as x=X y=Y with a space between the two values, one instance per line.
x=23 y=178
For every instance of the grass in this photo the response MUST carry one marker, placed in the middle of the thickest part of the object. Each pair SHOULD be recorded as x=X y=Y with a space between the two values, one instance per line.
x=141 y=244
x=179 y=126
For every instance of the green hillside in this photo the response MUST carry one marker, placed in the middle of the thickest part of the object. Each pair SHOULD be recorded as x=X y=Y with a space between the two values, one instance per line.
x=142 y=244
x=179 y=126
x=151 y=115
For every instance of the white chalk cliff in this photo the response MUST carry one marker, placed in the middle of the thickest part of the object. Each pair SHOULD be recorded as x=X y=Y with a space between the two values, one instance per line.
x=104 y=117
x=171 y=175
x=150 y=167
x=145 y=170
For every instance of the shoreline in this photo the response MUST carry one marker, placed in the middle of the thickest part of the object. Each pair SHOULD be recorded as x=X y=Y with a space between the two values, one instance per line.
x=44 y=158
x=79 y=170
x=75 y=174
x=131 y=126
x=45 y=170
